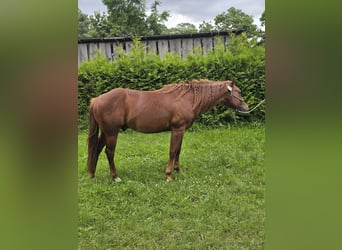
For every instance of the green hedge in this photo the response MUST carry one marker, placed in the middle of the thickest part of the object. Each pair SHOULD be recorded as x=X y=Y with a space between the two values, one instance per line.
x=242 y=61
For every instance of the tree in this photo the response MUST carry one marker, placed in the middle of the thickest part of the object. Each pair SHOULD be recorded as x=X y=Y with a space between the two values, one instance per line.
x=206 y=27
x=183 y=28
x=155 y=21
x=262 y=35
x=262 y=19
x=236 y=19
x=99 y=25
x=93 y=26
x=127 y=17
x=83 y=24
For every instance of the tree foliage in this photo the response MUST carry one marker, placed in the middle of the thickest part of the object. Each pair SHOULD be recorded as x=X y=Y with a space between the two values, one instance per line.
x=236 y=19
x=123 y=18
x=127 y=17
x=83 y=24
x=130 y=18
x=206 y=27
x=100 y=26
x=262 y=19
x=155 y=21
x=96 y=25
x=183 y=28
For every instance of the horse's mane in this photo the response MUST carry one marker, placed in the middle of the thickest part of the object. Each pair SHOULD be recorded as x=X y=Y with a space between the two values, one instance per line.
x=204 y=92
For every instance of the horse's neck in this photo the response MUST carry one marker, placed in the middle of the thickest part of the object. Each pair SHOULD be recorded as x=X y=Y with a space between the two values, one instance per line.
x=206 y=97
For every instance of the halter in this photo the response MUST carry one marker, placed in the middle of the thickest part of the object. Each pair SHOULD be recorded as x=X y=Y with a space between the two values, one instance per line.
x=247 y=112
x=230 y=90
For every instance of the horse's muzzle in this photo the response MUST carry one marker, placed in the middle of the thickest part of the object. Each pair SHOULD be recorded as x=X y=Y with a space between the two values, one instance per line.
x=243 y=109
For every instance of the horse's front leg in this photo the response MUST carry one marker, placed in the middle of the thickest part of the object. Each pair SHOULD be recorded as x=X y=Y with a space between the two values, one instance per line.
x=176 y=165
x=175 y=148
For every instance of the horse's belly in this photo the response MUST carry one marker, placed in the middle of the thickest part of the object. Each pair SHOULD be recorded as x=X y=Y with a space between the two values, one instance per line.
x=147 y=124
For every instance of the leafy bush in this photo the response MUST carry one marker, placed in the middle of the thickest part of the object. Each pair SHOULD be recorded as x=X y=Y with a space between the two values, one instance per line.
x=243 y=61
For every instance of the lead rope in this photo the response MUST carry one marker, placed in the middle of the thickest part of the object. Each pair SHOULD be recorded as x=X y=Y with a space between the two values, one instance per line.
x=242 y=112
x=247 y=112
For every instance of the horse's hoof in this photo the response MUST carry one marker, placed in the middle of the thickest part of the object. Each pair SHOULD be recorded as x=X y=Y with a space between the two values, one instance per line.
x=168 y=179
x=117 y=179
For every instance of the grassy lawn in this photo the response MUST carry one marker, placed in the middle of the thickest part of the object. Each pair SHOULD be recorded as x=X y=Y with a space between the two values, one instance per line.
x=216 y=202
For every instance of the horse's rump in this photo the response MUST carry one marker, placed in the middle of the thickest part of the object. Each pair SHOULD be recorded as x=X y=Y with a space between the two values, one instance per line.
x=109 y=109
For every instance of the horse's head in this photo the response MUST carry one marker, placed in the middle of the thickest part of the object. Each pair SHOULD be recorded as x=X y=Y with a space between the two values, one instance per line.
x=233 y=98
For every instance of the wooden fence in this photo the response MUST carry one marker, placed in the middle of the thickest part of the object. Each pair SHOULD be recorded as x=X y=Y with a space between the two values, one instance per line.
x=181 y=44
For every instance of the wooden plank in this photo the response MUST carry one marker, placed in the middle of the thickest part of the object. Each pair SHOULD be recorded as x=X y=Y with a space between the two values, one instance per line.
x=151 y=46
x=78 y=55
x=105 y=50
x=93 y=49
x=82 y=53
x=128 y=46
x=198 y=45
x=207 y=44
x=218 y=40
x=187 y=47
x=116 y=47
x=145 y=43
x=163 y=47
x=109 y=52
x=176 y=46
x=102 y=48
x=225 y=39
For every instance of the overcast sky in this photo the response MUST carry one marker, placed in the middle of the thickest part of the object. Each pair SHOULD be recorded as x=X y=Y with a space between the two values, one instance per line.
x=189 y=11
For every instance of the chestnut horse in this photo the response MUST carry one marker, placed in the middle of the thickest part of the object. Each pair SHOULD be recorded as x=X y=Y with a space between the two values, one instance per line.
x=172 y=108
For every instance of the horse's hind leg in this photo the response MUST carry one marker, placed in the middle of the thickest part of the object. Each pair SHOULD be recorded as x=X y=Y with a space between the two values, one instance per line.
x=100 y=145
x=110 y=152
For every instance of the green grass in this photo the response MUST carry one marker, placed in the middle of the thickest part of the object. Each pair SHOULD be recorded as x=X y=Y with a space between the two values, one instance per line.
x=216 y=202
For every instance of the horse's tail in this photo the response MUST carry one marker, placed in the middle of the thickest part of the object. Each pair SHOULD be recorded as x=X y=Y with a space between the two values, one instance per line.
x=93 y=141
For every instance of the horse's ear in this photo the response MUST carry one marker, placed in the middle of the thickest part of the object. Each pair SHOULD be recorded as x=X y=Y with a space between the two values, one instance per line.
x=230 y=88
